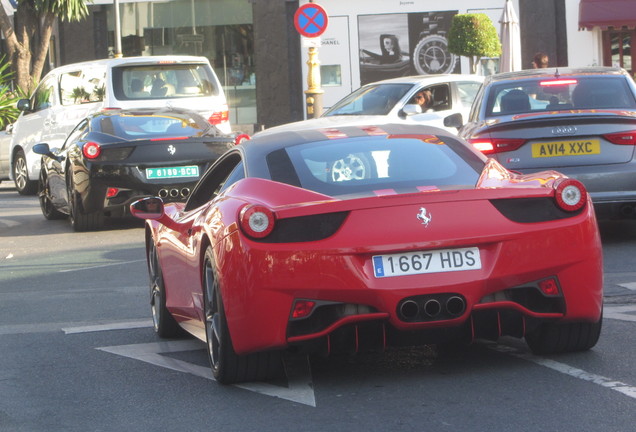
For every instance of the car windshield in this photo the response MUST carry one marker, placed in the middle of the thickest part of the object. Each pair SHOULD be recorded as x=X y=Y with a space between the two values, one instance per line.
x=133 y=127
x=156 y=81
x=376 y=99
x=545 y=94
x=366 y=166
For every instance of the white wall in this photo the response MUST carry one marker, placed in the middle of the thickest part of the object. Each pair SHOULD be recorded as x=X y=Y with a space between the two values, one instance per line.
x=584 y=46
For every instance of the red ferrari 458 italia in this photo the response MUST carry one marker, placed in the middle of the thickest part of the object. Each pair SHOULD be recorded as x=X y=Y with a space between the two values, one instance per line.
x=361 y=237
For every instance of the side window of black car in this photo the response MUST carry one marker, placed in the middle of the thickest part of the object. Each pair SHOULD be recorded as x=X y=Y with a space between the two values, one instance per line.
x=214 y=180
x=79 y=130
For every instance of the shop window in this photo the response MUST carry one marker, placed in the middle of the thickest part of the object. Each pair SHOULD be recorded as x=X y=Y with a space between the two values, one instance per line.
x=617 y=48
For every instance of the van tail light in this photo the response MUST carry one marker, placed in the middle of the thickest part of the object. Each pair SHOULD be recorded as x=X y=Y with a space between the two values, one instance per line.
x=496 y=145
x=256 y=221
x=91 y=150
x=625 y=138
x=570 y=194
x=219 y=117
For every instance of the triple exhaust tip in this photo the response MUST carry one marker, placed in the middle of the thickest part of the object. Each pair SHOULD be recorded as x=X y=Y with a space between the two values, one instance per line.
x=454 y=306
x=174 y=193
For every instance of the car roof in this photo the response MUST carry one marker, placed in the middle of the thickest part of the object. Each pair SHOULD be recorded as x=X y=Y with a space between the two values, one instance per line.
x=428 y=79
x=138 y=60
x=304 y=133
x=561 y=72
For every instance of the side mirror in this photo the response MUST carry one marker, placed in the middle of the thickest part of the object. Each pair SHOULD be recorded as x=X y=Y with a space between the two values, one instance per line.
x=412 y=109
x=42 y=149
x=454 y=120
x=24 y=105
x=148 y=208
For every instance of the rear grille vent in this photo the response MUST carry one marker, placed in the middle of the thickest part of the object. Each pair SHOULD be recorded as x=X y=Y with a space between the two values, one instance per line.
x=528 y=210
x=305 y=228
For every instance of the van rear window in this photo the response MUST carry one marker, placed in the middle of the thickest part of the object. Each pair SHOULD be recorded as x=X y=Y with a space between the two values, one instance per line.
x=164 y=81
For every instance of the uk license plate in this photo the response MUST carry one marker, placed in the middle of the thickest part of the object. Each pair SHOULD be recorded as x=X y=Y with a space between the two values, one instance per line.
x=566 y=148
x=172 y=172
x=433 y=261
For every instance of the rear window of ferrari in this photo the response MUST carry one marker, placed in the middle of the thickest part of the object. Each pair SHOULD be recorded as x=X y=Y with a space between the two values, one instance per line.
x=553 y=94
x=134 y=127
x=376 y=165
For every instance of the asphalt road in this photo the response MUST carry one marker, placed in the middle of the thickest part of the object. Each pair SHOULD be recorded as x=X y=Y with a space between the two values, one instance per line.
x=77 y=353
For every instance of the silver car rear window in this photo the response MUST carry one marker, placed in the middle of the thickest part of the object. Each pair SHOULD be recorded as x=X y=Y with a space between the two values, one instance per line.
x=548 y=94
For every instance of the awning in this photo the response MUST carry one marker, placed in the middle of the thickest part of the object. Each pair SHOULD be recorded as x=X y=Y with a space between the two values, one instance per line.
x=607 y=13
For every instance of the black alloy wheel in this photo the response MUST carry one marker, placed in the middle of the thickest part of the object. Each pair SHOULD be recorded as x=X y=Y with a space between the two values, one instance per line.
x=23 y=184
x=44 y=195
x=162 y=320
x=81 y=221
x=227 y=366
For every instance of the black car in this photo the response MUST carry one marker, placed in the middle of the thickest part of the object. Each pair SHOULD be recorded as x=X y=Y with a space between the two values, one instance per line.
x=115 y=157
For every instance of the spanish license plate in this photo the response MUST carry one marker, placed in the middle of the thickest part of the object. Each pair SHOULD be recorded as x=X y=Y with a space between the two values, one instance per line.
x=172 y=172
x=566 y=148
x=435 y=261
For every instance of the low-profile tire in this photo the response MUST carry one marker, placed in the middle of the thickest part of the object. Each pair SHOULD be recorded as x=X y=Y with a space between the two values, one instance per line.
x=227 y=366
x=553 y=338
x=162 y=320
x=81 y=221
x=23 y=184
x=46 y=205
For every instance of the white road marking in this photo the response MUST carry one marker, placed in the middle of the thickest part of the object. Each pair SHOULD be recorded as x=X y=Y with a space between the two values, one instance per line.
x=629 y=285
x=100 y=266
x=299 y=388
x=620 y=312
x=563 y=368
x=121 y=325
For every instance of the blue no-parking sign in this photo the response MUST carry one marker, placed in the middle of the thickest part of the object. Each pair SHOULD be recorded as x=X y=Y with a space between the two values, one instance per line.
x=311 y=20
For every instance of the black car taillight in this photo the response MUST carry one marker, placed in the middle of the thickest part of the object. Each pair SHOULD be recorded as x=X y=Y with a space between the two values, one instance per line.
x=91 y=150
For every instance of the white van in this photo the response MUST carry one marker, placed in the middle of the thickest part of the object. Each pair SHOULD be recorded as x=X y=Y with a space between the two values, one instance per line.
x=69 y=93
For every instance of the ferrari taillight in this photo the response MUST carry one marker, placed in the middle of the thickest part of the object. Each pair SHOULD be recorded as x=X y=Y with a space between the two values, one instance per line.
x=549 y=287
x=256 y=221
x=496 y=145
x=302 y=309
x=219 y=117
x=91 y=150
x=570 y=194
x=625 y=138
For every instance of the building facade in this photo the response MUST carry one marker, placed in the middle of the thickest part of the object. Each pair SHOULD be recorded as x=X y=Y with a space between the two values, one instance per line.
x=261 y=59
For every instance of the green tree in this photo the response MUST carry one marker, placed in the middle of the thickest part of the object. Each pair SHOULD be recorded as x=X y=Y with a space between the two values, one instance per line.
x=28 y=40
x=473 y=36
x=8 y=98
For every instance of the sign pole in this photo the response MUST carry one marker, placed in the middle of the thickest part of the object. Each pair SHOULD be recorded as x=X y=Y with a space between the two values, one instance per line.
x=311 y=21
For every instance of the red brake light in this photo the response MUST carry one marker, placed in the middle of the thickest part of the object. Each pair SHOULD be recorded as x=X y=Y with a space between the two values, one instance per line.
x=302 y=308
x=549 y=287
x=240 y=138
x=626 y=138
x=111 y=192
x=496 y=145
x=552 y=83
x=219 y=117
x=91 y=150
x=256 y=221
x=570 y=194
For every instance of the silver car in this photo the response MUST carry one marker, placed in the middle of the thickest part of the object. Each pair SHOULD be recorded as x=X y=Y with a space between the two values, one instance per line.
x=581 y=122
